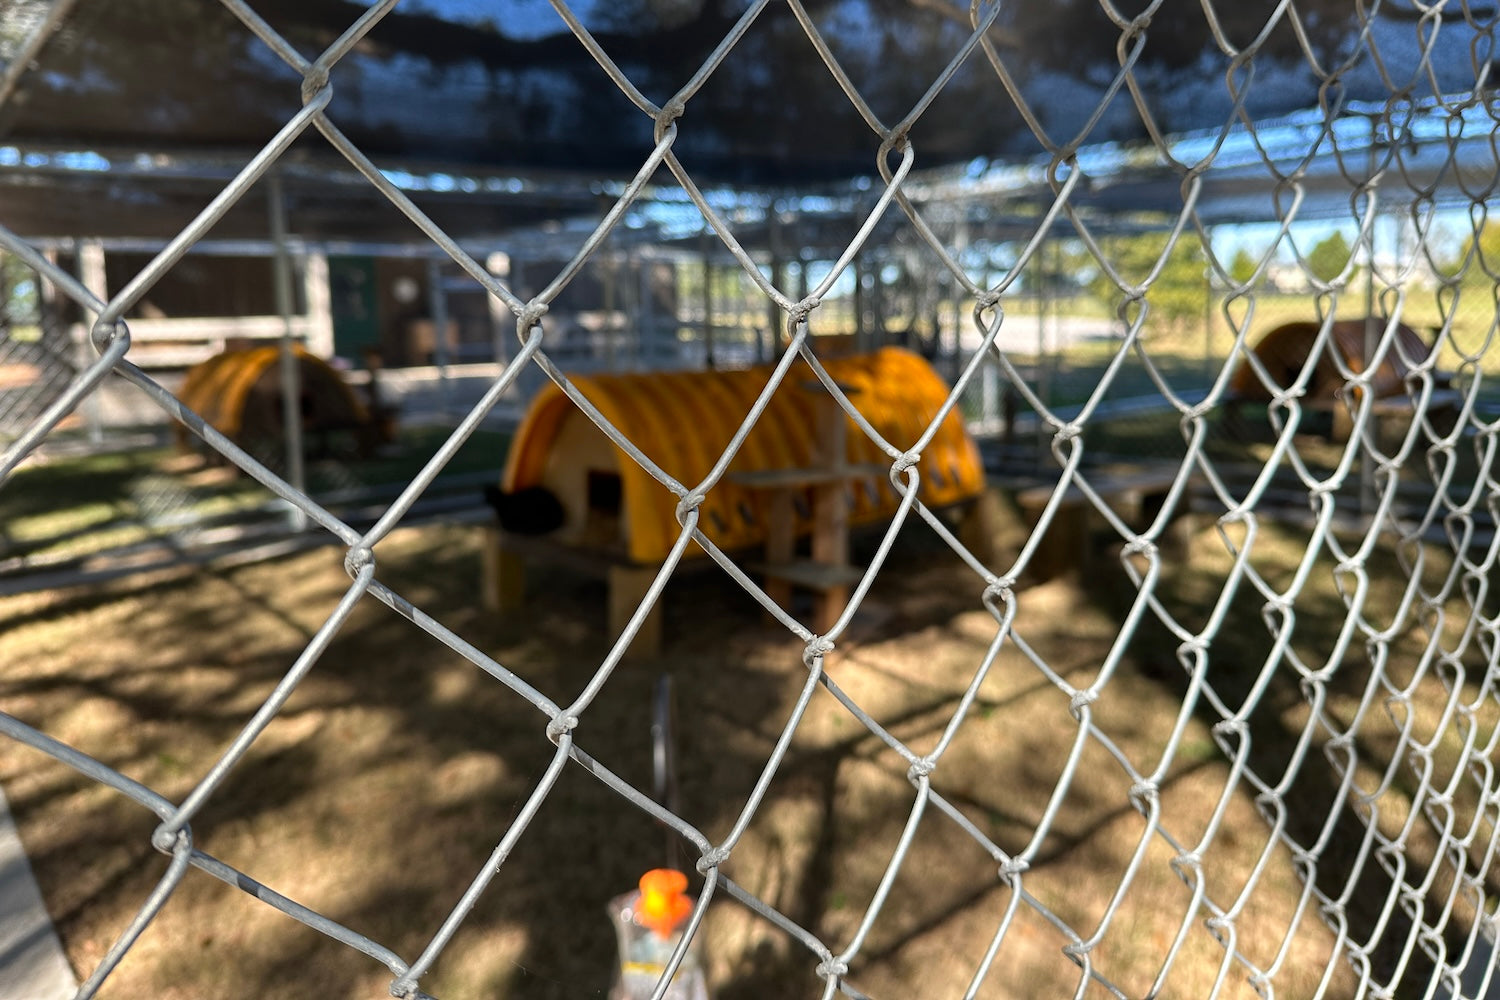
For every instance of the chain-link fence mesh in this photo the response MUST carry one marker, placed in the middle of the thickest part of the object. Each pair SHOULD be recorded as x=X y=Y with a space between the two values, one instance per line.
x=1311 y=812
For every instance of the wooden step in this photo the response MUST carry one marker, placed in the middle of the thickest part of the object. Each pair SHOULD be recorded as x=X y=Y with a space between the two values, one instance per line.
x=810 y=573
x=799 y=477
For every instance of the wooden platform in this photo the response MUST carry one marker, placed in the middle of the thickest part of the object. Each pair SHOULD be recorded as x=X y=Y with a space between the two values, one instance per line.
x=1443 y=405
x=827 y=571
x=1387 y=413
x=505 y=556
x=824 y=484
x=1135 y=495
x=503 y=587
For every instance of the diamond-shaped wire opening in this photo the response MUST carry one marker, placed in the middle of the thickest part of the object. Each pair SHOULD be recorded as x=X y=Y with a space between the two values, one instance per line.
x=1294 y=721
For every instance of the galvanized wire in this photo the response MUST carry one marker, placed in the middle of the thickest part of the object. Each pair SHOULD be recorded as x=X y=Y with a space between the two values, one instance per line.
x=1415 y=915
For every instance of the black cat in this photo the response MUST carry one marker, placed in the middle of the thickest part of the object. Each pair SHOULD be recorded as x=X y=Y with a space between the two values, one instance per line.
x=531 y=510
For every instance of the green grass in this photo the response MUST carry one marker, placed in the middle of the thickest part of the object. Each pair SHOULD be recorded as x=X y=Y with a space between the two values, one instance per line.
x=74 y=505
x=1189 y=356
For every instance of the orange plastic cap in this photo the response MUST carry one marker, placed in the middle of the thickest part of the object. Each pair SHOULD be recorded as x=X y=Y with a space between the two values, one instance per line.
x=663 y=904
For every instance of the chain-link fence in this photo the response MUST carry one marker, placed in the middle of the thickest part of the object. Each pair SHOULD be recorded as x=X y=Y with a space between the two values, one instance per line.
x=1206 y=707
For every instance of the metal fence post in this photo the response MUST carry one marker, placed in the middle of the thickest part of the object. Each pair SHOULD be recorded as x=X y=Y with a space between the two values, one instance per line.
x=92 y=273
x=290 y=367
x=437 y=298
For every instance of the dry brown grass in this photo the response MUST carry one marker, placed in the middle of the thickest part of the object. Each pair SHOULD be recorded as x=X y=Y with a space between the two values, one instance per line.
x=381 y=789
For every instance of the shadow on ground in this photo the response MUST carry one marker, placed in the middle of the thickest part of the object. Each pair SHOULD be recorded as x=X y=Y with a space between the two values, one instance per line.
x=380 y=791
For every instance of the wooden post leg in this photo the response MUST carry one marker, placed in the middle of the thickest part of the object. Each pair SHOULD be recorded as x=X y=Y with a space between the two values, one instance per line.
x=1177 y=540
x=828 y=604
x=503 y=572
x=830 y=546
x=627 y=588
x=1077 y=523
x=830 y=538
x=979 y=529
x=781 y=544
x=1064 y=550
x=1343 y=421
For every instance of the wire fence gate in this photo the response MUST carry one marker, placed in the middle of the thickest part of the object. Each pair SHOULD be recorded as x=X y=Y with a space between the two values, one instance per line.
x=1370 y=644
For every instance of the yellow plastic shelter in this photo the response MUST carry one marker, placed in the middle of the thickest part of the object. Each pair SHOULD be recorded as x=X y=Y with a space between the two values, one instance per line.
x=684 y=420
x=238 y=392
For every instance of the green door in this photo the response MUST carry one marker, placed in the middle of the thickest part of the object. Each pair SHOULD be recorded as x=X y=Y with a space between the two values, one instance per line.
x=356 y=317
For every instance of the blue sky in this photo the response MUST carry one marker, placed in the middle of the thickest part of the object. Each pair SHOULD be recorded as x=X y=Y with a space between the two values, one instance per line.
x=523 y=19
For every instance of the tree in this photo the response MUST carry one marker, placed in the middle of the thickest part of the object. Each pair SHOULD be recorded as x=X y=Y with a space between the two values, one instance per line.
x=1242 y=267
x=1328 y=258
x=18 y=292
x=1480 y=257
x=1179 y=291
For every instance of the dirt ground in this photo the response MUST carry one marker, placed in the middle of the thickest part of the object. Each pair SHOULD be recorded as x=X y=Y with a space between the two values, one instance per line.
x=381 y=789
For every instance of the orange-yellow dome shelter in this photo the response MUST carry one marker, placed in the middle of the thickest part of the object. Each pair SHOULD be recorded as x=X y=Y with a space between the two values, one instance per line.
x=683 y=421
x=238 y=393
x=1285 y=351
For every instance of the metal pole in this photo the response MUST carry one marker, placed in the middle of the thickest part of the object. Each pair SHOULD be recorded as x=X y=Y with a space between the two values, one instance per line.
x=802 y=283
x=319 y=304
x=437 y=300
x=858 y=300
x=1372 y=333
x=1208 y=307
x=644 y=341
x=708 y=302
x=92 y=273
x=961 y=246
x=1043 y=360
x=609 y=265
x=291 y=390
x=989 y=377
x=767 y=347
x=502 y=323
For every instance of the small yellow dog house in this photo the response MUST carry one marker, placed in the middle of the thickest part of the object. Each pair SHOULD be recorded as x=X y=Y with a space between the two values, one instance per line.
x=683 y=421
x=238 y=393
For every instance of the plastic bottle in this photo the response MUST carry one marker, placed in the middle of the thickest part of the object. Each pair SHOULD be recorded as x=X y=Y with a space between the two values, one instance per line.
x=649 y=923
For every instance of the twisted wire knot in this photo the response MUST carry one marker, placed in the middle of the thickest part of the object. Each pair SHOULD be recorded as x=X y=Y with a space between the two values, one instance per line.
x=358 y=558
x=104 y=334
x=820 y=645
x=666 y=117
x=314 y=83
x=1014 y=867
x=688 y=504
x=560 y=725
x=531 y=315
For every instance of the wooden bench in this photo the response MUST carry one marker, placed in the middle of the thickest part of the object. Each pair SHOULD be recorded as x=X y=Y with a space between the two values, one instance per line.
x=1135 y=495
x=1443 y=406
